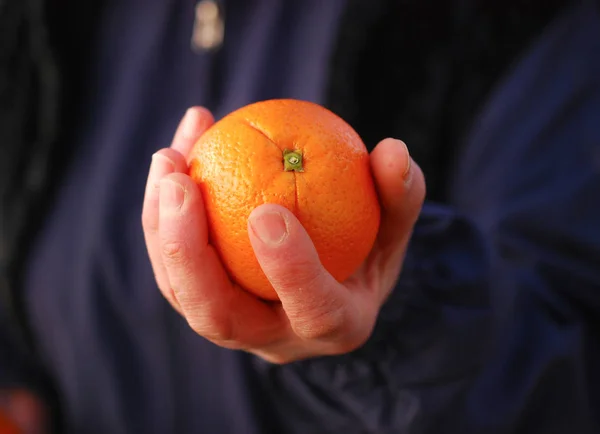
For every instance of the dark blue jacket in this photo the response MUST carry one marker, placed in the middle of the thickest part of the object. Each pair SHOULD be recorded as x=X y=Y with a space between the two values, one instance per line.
x=494 y=326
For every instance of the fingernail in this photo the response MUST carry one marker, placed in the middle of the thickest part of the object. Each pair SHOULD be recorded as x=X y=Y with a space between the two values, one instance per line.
x=159 y=167
x=172 y=194
x=189 y=123
x=406 y=172
x=161 y=164
x=270 y=228
x=158 y=158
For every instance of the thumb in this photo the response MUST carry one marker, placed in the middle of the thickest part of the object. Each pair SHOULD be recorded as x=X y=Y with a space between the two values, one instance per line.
x=315 y=303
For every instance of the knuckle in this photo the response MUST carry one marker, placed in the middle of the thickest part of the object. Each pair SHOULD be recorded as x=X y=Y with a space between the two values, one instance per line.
x=220 y=336
x=213 y=328
x=174 y=251
x=323 y=325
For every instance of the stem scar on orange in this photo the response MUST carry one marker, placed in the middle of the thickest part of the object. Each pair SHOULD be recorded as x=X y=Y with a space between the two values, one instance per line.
x=298 y=155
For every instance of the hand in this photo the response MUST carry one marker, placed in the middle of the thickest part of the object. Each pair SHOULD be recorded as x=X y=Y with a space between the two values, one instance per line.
x=325 y=317
x=21 y=412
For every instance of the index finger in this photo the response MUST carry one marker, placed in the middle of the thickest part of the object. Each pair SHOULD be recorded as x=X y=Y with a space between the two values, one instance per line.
x=195 y=121
x=214 y=307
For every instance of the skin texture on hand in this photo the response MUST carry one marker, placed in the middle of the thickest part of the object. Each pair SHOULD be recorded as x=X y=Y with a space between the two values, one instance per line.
x=316 y=315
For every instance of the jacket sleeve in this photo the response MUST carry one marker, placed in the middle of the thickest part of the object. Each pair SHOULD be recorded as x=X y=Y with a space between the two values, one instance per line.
x=466 y=344
x=430 y=342
x=494 y=326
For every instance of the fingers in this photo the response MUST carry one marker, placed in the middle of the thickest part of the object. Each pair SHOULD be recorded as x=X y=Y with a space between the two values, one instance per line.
x=317 y=306
x=214 y=308
x=401 y=187
x=164 y=162
x=194 y=123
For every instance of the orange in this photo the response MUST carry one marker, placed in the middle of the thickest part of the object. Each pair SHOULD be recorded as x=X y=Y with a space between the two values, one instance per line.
x=296 y=154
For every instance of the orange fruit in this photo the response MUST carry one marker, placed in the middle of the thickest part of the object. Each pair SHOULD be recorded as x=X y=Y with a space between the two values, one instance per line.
x=296 y=154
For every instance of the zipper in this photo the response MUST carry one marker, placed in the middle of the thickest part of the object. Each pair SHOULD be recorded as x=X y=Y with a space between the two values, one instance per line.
x=209 y=26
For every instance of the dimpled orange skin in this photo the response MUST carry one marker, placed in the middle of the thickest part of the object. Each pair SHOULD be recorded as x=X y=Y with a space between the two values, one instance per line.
x=238 y=164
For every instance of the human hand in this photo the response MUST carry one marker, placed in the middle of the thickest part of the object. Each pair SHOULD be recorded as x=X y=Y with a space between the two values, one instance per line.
x=316 y=315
